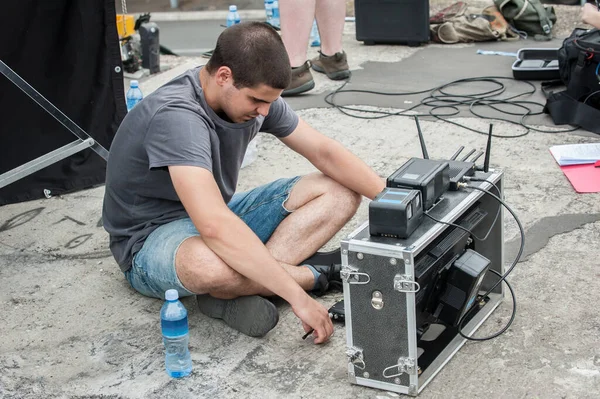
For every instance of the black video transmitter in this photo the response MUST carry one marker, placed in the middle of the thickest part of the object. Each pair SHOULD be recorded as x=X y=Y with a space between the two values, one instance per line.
x=395 y=212
x=431 y=178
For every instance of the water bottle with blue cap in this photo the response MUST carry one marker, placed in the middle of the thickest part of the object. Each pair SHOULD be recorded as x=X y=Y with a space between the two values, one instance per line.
x=174 y=326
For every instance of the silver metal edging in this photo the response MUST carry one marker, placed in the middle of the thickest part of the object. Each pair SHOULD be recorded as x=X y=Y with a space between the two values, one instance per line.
x=454 y=346
x=358 y=230
x=411 y=322
x=347 y=302
x=501 y=218
x=382 y=385
x=374 y=248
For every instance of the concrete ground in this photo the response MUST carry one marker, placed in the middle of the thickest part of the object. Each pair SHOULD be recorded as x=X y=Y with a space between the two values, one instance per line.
x=72 y=327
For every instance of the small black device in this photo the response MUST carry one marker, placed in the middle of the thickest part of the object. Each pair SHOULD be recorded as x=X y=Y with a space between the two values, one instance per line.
x=149 y=36
x=395 y=212
x=337 y=313
x=431 y=178
x=462 y=285
x=459 y=168
x=433 y=263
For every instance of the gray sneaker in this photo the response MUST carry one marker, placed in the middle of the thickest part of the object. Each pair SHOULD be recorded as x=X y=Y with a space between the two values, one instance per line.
x=302 y=81
x=335 y=66
x=252 y=315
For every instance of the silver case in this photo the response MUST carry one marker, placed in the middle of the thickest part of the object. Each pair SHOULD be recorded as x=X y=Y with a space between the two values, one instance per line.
x=381 y=321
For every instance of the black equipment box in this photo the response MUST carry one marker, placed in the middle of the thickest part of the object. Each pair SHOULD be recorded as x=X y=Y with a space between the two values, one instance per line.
x=536 y=64
x=431 y=177
x=389 y=346
x=149 y=36
x=395 y=212
x=392 y=21
x=464 y=278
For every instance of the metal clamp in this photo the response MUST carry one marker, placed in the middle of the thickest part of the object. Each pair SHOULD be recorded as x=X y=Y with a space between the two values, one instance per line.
x=405 y=365
x=352 y=276
x=355 y=357
x=547 y=28
x=405 y=283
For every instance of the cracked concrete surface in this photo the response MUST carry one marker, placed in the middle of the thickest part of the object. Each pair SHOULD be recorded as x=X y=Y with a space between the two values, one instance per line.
x=72 y=327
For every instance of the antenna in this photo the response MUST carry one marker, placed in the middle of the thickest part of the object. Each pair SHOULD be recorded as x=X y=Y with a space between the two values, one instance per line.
x=462 y=147
x=486 y=162
x=421 y=139
x=476 y=157
x=468 y=155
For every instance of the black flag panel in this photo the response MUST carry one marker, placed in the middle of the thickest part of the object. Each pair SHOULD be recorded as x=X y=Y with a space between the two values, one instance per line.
x=68 y=50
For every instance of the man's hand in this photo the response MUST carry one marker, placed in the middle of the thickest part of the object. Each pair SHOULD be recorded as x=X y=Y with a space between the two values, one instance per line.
x=590 y=15
x=314 y=316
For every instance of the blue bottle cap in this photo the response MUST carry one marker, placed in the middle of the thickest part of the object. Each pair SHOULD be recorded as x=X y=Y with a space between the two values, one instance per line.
x=171 y=295
x=233 y=8
x=133 y=83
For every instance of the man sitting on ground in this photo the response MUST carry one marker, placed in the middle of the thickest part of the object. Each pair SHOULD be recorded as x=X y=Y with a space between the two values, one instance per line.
x=170 y=208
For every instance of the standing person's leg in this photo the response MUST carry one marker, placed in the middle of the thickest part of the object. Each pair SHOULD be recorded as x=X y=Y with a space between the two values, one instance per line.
x=296 y=22
x=331 y=16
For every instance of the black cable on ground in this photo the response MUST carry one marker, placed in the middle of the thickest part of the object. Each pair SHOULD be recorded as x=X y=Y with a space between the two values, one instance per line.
x=442 y=104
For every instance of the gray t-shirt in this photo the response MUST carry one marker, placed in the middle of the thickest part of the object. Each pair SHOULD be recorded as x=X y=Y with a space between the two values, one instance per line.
x=173 y=126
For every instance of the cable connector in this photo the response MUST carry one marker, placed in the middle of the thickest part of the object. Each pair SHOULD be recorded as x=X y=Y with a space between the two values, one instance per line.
x=462 y=185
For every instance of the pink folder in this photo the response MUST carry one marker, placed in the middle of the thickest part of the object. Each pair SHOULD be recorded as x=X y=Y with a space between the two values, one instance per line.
x=584 y=178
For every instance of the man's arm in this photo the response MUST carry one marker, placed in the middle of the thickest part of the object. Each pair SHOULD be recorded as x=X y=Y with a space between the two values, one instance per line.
x=334 y=160
x=234 y=242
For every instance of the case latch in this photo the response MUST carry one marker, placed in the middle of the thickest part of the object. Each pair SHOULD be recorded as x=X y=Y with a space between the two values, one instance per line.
x=405 y=283
x=355 y=357
x=405 y=365
x=352 y=276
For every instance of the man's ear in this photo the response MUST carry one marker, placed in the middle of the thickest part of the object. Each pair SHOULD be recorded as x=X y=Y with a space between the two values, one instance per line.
x=223 y=76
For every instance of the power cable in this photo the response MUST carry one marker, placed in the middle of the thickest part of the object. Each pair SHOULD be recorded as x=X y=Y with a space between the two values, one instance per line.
x=442 y=104
x=502 y=277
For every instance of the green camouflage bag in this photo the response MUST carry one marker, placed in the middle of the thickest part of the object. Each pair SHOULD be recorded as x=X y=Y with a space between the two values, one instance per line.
x=529 y=16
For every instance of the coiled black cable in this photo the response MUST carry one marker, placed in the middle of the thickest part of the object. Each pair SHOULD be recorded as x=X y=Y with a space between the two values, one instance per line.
x=441 y=99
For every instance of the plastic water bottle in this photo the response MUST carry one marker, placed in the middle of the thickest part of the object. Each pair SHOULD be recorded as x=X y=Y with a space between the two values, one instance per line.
x=174 y=325
x=269 y=11
x=134 y=95
x=275 y=21
x=315 y=39
x=233 y=17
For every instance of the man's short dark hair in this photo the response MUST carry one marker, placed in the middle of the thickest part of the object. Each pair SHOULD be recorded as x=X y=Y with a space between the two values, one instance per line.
x=255 y=54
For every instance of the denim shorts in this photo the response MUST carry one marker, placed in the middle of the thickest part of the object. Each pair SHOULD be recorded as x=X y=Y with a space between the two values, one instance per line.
x=153 y=268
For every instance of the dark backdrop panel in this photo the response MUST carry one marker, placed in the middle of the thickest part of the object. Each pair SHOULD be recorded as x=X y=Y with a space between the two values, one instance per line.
x=68 y=50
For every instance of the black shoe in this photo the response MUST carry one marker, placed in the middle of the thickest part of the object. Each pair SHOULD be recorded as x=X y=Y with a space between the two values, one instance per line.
x=252 y=315
x=329 y=279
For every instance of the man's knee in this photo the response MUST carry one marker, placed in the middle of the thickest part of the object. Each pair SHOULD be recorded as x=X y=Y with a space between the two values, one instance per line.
x=342 y=198
x=201 y=271
x=317 y=185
